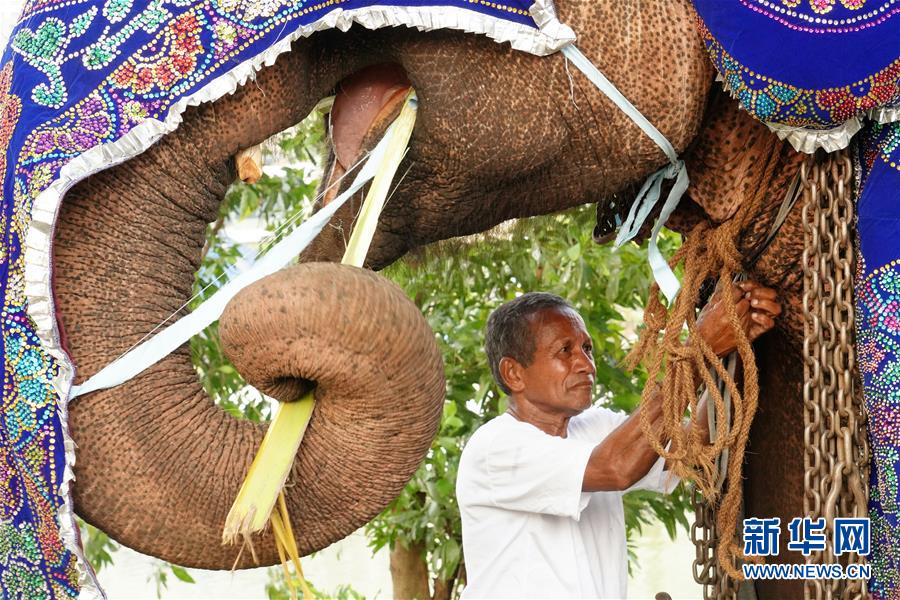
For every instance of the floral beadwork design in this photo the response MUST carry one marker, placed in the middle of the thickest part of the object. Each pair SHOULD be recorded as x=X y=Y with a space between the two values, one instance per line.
x=161 y=68
x=47 y=46
x=823 y=7
x=775 y=101
x=889 y=148
x=44 y=49
x=880 y=145
x=825 y=16
x=886 y=559
x=877 y=153
x=78 y=129
x=10 y=109
x=878 y=351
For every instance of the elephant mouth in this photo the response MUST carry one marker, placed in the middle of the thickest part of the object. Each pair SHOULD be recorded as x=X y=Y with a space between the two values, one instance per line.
x=365 y=104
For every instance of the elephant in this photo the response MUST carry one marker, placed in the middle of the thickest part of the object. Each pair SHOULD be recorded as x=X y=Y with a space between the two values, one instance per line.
x=500 y=135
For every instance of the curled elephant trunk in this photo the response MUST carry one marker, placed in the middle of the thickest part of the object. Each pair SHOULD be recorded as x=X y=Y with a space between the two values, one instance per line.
x=159 y=464
x=378 y=378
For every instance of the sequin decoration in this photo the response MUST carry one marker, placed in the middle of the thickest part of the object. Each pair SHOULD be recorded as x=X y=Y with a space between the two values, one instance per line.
x=10 y=109
x=806 y=64
x=878 y=342
x=88 y=72
x=825 y=16
x=776 y=101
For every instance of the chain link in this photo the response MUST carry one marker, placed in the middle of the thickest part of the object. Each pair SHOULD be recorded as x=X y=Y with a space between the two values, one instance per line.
x=717 y=585
x=836 y=452
x=836 y=448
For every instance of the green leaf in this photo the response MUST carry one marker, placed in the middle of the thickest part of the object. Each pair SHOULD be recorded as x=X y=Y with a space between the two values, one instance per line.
x=450 y=555
x=444 y=487
x=182 y=574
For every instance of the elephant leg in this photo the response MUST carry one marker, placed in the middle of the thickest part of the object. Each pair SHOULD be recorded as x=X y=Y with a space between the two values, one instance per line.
x=736 y=160
x=774 y=468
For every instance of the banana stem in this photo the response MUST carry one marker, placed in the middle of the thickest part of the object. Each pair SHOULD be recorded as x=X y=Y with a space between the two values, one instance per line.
x=269 y=470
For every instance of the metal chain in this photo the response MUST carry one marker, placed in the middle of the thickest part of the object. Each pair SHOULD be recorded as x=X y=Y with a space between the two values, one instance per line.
x=836 y=453
x=717 y=585
x=836 y=448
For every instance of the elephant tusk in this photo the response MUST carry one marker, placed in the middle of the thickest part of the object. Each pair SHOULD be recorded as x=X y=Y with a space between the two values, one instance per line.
x=249 y=164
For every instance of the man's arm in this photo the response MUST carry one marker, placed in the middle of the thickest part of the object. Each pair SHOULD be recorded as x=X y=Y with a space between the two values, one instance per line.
x=625 y=456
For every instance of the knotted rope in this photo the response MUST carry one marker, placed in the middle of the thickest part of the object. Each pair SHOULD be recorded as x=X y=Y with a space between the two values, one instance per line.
x=708 y=251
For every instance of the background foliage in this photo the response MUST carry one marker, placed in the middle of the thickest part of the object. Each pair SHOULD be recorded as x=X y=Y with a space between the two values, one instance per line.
x=456 y=284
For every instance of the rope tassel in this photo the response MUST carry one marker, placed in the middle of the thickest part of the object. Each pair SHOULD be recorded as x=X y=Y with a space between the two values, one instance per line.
x=707 y=252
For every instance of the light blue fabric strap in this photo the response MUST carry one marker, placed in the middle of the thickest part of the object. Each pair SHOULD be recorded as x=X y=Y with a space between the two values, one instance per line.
x=163 y=343
x=605 y=85
x=648 y=196
x=662 y=273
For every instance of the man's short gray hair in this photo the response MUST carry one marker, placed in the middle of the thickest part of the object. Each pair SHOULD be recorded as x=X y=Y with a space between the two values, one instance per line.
x=509 y=331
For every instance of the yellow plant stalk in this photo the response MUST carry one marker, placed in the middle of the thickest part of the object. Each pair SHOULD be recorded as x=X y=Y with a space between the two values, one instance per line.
x=364 y=230
x=269 y=470
x=265 y=479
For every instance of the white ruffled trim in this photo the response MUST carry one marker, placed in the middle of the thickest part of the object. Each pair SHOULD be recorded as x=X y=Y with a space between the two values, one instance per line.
x=544 y=15
x=551 y=36
x=810 y=140
x=830 y=140
x=886 y=114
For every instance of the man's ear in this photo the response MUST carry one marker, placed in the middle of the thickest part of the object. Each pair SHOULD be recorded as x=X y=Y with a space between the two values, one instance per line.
x=511 y=373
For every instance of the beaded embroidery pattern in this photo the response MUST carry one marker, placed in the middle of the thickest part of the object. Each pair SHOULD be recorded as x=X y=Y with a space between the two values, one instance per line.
x=82 y=73
x=878 y=342
x=764 y=37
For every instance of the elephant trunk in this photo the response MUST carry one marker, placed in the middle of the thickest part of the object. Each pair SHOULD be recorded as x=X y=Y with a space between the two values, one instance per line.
x=158 y=463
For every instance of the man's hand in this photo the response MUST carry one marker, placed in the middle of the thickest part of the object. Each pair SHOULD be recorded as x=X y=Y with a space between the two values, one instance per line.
x=756 y=307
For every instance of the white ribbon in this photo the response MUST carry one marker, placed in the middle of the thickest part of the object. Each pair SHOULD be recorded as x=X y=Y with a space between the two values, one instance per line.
x=648 y=196
x=169 y=339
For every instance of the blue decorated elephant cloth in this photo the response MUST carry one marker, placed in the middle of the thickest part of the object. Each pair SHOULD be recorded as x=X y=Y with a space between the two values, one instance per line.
x=813 y=70
x=86 y=84
x=877 y=158
x=818 y=73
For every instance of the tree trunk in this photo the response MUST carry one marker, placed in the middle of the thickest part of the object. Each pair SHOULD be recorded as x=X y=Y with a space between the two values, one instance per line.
x=409 y=572
x=442 y=589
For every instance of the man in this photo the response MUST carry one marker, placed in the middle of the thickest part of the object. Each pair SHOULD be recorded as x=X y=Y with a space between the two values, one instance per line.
x=540 y=487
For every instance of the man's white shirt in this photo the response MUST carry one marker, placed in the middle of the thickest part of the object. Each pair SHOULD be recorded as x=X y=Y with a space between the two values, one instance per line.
x=528 y=529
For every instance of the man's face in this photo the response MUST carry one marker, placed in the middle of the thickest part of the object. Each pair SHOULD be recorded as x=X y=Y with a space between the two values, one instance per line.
x=561 y=374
